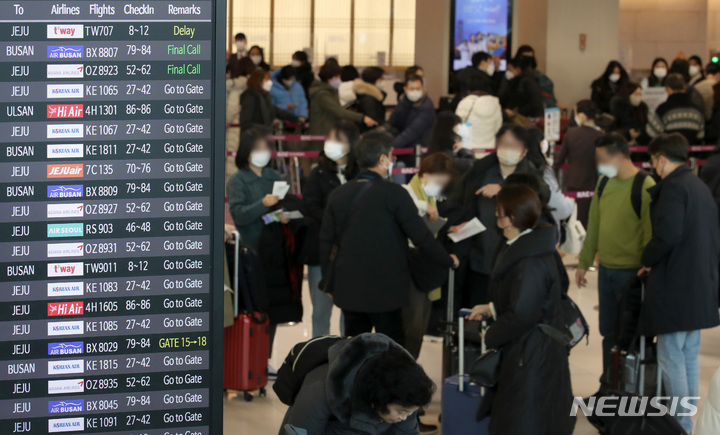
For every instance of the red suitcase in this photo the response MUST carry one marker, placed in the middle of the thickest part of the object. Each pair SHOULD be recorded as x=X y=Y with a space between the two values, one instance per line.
x=246 y=342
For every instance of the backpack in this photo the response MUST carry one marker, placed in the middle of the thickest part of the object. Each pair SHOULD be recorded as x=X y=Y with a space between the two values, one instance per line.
x=635 y=193
x=548 y=90
x=303 y=358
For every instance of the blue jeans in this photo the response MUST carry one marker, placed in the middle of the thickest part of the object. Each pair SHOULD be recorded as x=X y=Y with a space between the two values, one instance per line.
x=322 y=304
x=678 y=358
x=610 y=285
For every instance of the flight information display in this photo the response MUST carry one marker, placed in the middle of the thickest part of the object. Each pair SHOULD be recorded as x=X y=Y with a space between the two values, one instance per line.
x=111 y=167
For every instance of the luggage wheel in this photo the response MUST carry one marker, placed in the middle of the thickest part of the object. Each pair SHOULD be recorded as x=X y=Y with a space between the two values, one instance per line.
x=263 y=392
x=247 y=396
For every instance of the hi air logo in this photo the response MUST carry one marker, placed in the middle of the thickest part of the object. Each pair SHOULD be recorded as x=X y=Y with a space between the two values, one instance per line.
x=66 y=348
x=66 y=386
x=65 y=210
x=66 y=406
x=65 y=71
x=64 y=131
x=65 y=309
x=65 y=191
x=65 y=269
x=64 y=111
x=66 y=367
x=65 y=51
x=65 y=230
x=65 y=151
x=55 y=250
x=65 y=91
x=66 y=424
x=65 y=328
x=58 y=289
x=74 y=170
x=67 y=31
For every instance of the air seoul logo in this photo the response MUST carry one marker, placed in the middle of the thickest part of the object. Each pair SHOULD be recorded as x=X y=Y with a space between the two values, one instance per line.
x=65 y=309
x=65 y=51
x=65 y=191
x=66 y=406
x=65 y=230
x=66 y=348
x=66 y=424
x=64 y=111
x=65 y=31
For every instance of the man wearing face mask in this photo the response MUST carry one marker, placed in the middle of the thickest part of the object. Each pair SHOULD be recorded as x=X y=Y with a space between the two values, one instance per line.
x=233 y=63
x=681 y=293
x=364 y=244
x=483 y=67
x=288 y=94
x=617 y=232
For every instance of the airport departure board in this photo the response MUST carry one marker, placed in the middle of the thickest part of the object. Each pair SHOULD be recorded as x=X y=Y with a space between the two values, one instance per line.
x=111 y=219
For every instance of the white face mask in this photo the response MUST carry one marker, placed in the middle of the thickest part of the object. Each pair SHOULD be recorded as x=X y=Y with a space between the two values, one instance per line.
x=636 y=100
x=335 y=83
x=609 y=171
x=295 y=63
x=240 y=45
x=694 y=70
x=414 y=96
x=268 y=85
x=256 y=59
x=288 y=83
x=260 y=159
x=379 y=84
x=432 y=189
x=660 y=72
x=491 y=69
x=614 y=78
x=544 y=147
x=390 y=168
x=334 y=150
x=509 y=75
x=509 y=157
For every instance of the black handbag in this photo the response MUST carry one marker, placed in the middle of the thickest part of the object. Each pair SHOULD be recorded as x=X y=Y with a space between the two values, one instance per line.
x=484 y=370
x=426 y=274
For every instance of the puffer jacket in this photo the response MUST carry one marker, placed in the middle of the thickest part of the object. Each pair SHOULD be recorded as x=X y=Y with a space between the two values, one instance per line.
x=233 y=89
x=484 y=114
x=324 y=405
x=708 y=422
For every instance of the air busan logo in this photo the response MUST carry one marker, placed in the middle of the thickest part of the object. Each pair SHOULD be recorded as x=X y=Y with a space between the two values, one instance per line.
x=65 y=91
x=65 y=51
x=64 y=131
x=65 y=328
x=57 y=289
x=67 y=31
x=66 y=348
x=74 y=170
x=65 y=191
x=65 y=151
x=64 y=111
x=66 y=406
x=65 y=269
x=65 y=309
x=66 y=367
x=66 y=424
x=66 y=386
x=65 y=210
x=65 y=71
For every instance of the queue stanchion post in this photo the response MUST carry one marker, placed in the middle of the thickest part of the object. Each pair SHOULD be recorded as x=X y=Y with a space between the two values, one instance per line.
x=418 y=155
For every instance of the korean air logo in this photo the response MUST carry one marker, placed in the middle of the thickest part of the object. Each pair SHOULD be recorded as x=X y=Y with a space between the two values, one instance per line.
x=66 y=367
x=64 y=111
x=65 y=309
x=64 y=131
x=58 y=289
x=66 y=31
x=65 y=51
x=65 y=230
x=64 y=269
x=65 y=71
x=65 y=151
x=66 y=328
x=65 y=171
x=65 y=91
x=65 y=191
x=66 y=386
x=66 y=424
x=66 y=348
x=66 y=406
x=65 y=210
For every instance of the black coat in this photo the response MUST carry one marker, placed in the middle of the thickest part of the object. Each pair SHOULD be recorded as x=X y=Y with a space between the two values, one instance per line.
x=370 y=106
x=257 y=109
x=603 y=90
x=372 y=272
x=319 y=185
x=533 y=394
x=682 y=288
x=305 y=76
x=524 y=96
x=710 y=174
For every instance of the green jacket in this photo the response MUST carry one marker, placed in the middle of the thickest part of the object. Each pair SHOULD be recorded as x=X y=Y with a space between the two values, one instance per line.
x=245 y=192
x=325 y=108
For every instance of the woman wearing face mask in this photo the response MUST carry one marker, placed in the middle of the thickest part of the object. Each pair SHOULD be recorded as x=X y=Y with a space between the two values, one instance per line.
x=697 y=74
x=446 y=137
x=523 y=95
x=658 y=72
x=533 y=391
x=436 y=172
x=325 y=108
x=370 y=95
x=257 y=105
x=288 y=94
x=476 y=198
x=257 y=55
x=336 y=167
x=605 y=87
x=630 y=112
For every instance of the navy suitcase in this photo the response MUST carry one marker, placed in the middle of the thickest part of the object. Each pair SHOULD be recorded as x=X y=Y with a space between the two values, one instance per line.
x=461 y=398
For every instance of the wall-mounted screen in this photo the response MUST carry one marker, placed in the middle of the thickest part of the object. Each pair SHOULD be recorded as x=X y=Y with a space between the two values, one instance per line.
x=480 y=25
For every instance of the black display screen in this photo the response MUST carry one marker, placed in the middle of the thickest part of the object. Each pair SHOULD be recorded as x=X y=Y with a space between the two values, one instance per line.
x=112 y=158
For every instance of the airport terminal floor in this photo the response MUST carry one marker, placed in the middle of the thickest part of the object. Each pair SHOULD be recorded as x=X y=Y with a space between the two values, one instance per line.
x=263 y=415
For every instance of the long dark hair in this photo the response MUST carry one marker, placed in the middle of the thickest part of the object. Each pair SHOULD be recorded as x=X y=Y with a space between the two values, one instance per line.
x=535 y=155
x=605 y=77
x=640 y=111
x=248 y=139
x=350 y=131
x=652 y=80
x=443 y=137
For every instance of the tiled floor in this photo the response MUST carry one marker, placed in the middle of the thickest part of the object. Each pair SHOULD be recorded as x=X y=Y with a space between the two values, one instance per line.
x=263 y=415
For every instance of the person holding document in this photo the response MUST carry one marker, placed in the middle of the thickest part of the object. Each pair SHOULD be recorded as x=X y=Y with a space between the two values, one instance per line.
x=476 y=197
